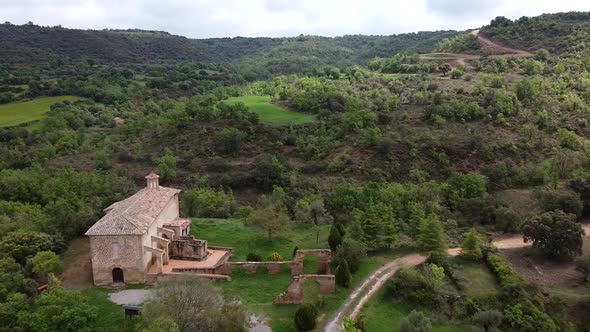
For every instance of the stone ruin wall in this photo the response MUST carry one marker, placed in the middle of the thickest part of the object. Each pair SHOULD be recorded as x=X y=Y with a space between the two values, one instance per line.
x=294 y=293
x=296 y=265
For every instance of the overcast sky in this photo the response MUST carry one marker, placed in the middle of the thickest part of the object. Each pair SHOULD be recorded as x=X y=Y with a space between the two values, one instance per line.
x=229 y=18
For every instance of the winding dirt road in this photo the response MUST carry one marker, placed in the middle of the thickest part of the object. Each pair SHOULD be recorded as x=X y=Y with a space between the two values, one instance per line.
x=357 y=299
x=499 y=50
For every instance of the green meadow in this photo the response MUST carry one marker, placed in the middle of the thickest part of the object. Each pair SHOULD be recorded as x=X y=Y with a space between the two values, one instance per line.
x=22 y=112
x=270 y=113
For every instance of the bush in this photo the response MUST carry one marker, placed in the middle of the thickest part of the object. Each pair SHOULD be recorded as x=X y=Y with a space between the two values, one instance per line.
x=46 y=263
x=507 y=220
x=275 y=257
x=411 y=287
x=456 y=74
x=305 y=317
x=556 y=234
x=488 y=319
x=229 y=140
x=252 y=257
x=167 y=165
x=351 y=251
x=207 y=203
x=416 y=321
x=564 y=200
x=583 y=266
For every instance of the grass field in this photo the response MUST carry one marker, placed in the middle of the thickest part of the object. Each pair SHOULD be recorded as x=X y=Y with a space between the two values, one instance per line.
x=476 y=278
x=382 y=314
x=22 y=112
x=258 y=291
x=270 y=113
x=244 y=240
x=110 y=316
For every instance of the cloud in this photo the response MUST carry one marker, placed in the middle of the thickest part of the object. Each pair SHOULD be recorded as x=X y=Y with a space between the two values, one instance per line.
x=227 y=18
x=461 y=8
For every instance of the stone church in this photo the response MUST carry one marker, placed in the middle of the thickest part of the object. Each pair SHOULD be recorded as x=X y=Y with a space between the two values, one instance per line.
x=138 y=237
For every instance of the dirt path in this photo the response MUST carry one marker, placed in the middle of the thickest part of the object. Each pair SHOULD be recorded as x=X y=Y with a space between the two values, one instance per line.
x=359 y=297
x=498 y=47
x=502 y=51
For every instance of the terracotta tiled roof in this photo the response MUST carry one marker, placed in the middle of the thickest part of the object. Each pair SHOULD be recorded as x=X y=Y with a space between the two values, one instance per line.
x=133 y=215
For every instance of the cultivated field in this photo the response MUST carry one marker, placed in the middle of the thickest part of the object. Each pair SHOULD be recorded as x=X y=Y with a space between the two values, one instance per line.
x=270 y=113
x=17 y=113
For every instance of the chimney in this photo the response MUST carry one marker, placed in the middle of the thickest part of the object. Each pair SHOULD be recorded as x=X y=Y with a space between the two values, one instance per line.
x=152 y=181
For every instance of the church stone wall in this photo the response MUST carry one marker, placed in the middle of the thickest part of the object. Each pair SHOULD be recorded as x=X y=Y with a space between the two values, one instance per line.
x=170 y=212
x=124 y=252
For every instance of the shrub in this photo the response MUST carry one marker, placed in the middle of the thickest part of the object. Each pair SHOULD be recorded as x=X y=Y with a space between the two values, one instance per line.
x=207 y=203
x=456 y=74
x=343 y=276
x=416 y=321
x=305 y=317
x=252 y=257
x=349 y=325
x=167 y=165
x=45 y=263
x=411 y=287
x=294 y=251
x=564 y=200
x=275 y=257
x=583 y=266
x=351 y=251
x=528 y=319
x=507 y=220
x=229 y=140
x=556 y=234
x=488 y=319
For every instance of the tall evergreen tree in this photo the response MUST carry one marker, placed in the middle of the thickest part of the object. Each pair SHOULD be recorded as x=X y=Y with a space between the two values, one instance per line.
x=432 y=239
x=334 y=239
x=343 y=276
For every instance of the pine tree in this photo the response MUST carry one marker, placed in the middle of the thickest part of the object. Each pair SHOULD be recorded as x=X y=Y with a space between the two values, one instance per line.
x=335 y=238
x=343 y=276
x=432 y=239
x=471 y=245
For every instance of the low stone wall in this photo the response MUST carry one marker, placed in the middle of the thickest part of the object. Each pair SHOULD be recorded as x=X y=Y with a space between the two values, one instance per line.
x=296 y=265
x=252 y=267
x=294 y=293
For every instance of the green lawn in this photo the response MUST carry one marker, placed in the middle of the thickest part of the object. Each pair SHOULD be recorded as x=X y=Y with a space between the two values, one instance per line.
x=475 y=277
x=258 y=291
x=22 y=112
x=382 y=314
x=110 y=316
x=244 y=240
x=270 y=113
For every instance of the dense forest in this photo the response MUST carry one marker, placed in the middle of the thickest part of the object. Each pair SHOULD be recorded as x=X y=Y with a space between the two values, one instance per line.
x=403 y=151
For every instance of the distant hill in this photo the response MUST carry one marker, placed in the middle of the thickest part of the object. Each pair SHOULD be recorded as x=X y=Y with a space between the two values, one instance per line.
x=561 y=32
x=31 y=44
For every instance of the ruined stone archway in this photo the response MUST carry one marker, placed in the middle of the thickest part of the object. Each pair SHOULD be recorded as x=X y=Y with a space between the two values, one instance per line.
x=324 y=256
x=294 y=293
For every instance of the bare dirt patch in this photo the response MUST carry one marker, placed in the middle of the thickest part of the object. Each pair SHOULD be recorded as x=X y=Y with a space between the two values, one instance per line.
x=538 y=269
x=77 y=265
